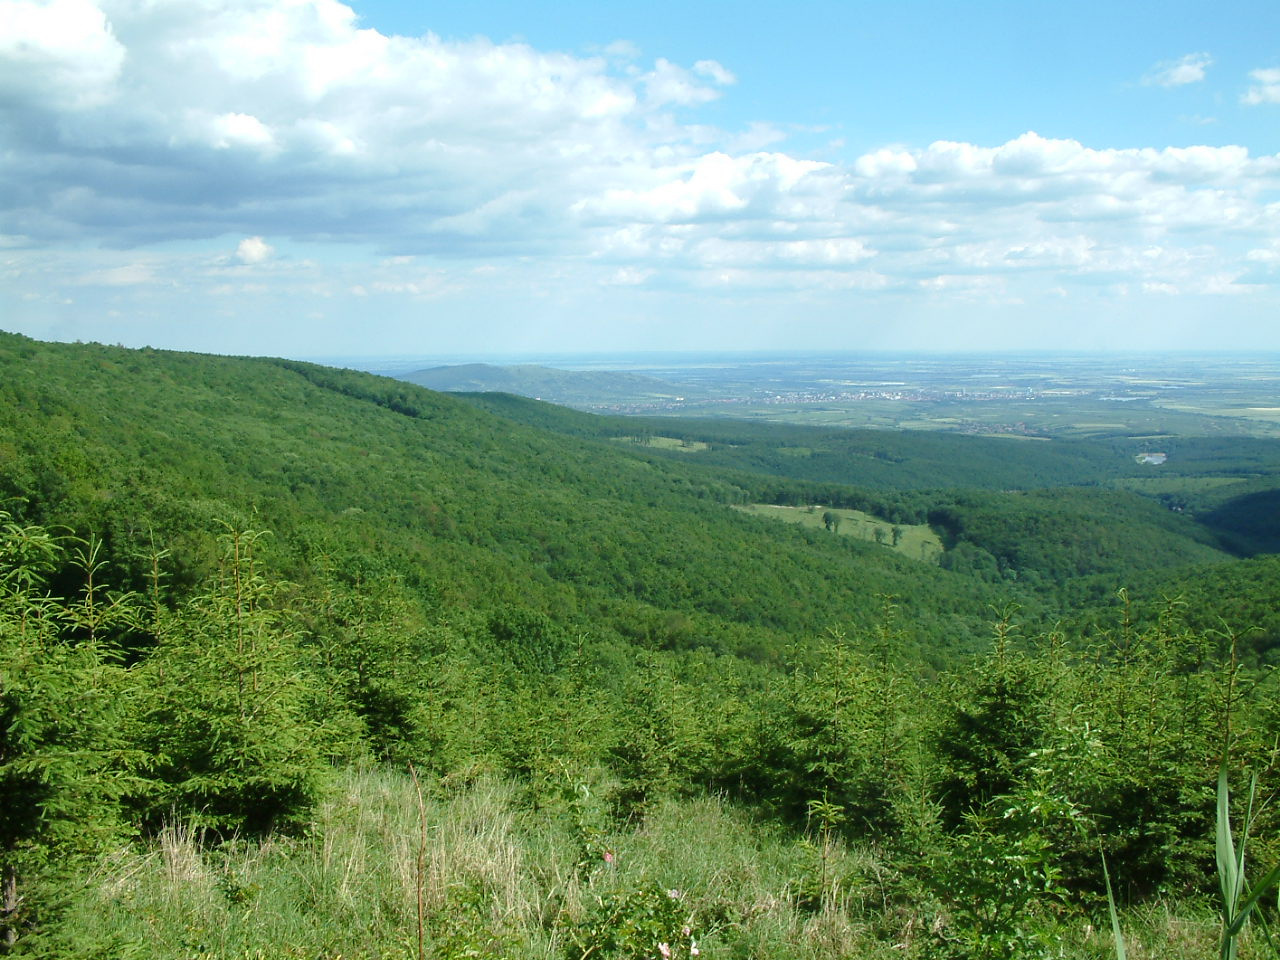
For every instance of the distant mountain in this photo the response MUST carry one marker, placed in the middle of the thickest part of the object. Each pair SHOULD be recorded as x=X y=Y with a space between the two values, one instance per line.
x=569 y=387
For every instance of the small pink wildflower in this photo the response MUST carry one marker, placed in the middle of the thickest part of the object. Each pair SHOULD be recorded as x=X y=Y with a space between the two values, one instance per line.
x=665 y=951
x=608 y=856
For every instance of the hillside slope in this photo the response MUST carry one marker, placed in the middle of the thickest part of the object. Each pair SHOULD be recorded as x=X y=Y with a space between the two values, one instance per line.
x=921 y=460
x=1006 y=509
x=475 y=511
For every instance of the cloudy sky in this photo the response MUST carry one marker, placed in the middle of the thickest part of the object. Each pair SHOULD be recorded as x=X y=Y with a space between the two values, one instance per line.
x=308 y=178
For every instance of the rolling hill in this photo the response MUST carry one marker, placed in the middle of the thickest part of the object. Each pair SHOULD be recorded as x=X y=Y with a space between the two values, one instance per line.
x=489 y=502
x=476 y=511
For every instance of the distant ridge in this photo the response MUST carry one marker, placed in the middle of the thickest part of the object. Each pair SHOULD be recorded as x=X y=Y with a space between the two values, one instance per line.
x=569 y=387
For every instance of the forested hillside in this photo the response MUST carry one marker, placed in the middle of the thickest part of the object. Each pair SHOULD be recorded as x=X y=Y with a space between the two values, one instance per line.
x=919 y=459
x=475 y=511
x=303 y=662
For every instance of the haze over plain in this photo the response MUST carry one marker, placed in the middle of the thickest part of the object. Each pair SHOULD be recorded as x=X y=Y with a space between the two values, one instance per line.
x=310 y=178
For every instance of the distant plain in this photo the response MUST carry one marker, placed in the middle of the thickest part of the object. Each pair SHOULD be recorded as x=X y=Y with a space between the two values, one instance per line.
x=1032 y=396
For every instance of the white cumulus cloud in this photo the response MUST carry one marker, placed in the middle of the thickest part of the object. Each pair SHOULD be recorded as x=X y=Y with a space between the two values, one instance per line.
x=178 y=118
x=1177 y=73
x=237 y=130
x=669 y=83
x=254 y=250
x=61 y=53
x=715 y=186
x=481 y=166
x=714 y=70
x=1265 y=89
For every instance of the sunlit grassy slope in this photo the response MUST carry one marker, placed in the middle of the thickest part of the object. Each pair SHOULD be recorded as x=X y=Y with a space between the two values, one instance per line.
x=917 y=541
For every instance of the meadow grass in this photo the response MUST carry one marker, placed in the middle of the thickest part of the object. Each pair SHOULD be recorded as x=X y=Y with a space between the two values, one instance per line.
x=497 y=880
x=500 y=877
x=665 y=443
x=917 y=541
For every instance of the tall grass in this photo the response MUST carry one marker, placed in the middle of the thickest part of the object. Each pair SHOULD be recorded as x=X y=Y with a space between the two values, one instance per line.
x=497 y=880
x=1237 y=901
x=1116 y=933
x=498 y=877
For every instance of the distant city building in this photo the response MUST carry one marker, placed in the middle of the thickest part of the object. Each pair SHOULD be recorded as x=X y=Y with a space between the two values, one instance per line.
x=1155 y=458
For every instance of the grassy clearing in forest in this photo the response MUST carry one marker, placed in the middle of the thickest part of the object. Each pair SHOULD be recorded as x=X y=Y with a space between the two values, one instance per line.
x=918 y=542
x=665 y=443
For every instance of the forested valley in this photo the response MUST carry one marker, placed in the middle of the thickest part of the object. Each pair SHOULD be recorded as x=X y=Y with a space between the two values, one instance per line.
x=300 y=662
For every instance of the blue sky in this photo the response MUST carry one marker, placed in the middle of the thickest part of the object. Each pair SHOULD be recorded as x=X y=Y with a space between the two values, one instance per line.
x=915 y=72
x=308 y=178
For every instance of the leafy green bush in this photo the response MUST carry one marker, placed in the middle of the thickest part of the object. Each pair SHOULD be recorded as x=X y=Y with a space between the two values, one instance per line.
x=633 y=923
x=1000 y=881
